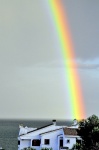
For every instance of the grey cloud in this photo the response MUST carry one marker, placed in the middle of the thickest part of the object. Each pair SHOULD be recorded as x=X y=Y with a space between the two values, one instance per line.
x=81 y=64
x=84 y=27
x=88 y=66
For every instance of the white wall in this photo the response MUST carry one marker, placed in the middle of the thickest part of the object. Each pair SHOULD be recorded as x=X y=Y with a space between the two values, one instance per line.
x=59 y=137
x=38 y=138
x=24 y=143
x=53 y=136
x=72 y=142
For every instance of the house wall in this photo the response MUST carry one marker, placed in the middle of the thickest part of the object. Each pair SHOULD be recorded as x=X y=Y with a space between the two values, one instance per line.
x=24 y=143
x=53 y=136
x=72 y=142
x=34 y=138
x=58 y=144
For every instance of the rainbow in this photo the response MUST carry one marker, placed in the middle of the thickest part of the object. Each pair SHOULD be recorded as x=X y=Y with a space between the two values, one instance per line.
x=67 y=50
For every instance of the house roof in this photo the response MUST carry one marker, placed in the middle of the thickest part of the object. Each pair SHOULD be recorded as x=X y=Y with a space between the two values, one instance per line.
x=70 y=131
x=37 y=129
x=41 y=128
x=51 y=131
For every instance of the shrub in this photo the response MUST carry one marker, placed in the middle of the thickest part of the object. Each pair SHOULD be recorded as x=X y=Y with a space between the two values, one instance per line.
x=29 y=148
x=46 y=148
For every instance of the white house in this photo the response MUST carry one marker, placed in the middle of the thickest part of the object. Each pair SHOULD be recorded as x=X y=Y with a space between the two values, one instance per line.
x=50 y=136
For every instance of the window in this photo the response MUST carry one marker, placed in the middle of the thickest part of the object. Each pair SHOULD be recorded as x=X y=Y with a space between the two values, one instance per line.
x=46 y=141
x=36 y=142
x=68 y=141
x=18 y=142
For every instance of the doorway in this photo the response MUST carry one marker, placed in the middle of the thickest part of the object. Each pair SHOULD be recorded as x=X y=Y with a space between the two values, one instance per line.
x=61 y=143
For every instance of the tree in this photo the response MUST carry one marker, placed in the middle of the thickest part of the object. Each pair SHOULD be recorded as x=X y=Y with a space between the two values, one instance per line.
x=89 y=132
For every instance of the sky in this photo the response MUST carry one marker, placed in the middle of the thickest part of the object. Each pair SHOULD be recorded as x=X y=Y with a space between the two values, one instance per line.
x=32 y=82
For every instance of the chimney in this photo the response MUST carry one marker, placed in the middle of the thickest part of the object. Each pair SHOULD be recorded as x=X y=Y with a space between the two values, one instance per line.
x=54 y=122
x=20 y=125
x=75 y=122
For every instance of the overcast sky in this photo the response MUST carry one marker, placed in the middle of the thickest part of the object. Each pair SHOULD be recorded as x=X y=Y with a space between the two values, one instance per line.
x=32 y=83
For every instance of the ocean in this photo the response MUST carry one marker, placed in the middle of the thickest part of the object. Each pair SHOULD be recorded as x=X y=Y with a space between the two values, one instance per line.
x=9 y=130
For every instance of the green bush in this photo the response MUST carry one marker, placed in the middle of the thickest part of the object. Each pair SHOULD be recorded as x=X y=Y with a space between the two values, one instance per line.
x=46 y=148
x=29 y=148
